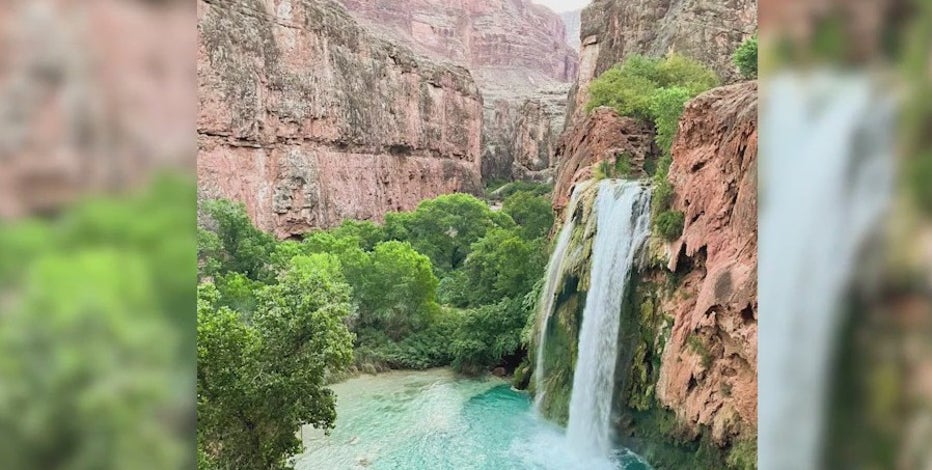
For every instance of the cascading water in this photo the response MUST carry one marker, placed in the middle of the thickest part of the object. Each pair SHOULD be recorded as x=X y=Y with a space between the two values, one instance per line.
x=823 y=194
x=549 y=292
x=622 y=211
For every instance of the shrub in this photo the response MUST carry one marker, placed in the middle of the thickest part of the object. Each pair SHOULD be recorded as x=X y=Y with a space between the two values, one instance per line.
x=503 y=191
x=653 y=90
x=743 y=455
x=238 y=246
x=670 y=224
x=502 y=264
x=617 y=167
x=745 y=58
x=630 y=87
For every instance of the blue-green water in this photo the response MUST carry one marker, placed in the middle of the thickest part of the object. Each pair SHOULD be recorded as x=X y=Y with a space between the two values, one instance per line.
x=435 y=420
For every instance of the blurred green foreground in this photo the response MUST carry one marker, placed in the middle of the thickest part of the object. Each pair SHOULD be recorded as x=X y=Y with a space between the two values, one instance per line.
x=97 y=333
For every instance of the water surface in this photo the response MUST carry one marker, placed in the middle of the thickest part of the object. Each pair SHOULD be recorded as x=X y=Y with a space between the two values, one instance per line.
x=435 y=420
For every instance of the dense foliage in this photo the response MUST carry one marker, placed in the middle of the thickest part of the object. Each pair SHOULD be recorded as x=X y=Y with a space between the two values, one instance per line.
x=94 y=333
x=446 y=284
x=444 y=228
x=745 y=58
x=670 y=224
x=654 y=90
x=259 y=380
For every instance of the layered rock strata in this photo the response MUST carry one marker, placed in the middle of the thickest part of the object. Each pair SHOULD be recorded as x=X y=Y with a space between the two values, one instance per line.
x=308 y=119
x=518 y=54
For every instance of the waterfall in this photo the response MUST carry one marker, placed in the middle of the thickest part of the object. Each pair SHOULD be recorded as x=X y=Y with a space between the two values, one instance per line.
x=823 y=194
x=549 y=291
x=622 y=211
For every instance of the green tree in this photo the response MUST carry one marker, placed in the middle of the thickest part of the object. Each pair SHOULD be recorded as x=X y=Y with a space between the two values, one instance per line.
x=396 y=290
x=243 y=248
x=489 y=334
x=653 y=90
x=366 y=233
x=502 y=264
x=745 y=58
x=532 y=213
x=96 y=320
x=238 y=292
x=259 y=381
x=444 y=228
x=78 y=371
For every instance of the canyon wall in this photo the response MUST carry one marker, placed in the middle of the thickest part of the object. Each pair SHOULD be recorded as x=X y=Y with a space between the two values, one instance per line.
x=308 y=119
x=687 y=367
x=705 y=31
x=86 y=114
x=708 y=371
x=518 y=54
x=516 y=35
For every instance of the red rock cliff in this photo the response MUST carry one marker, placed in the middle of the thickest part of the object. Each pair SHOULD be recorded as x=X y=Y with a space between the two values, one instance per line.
x=516 y=35
x=309 y=120
x=518 y=53
x=706 y=31
x=708 y=373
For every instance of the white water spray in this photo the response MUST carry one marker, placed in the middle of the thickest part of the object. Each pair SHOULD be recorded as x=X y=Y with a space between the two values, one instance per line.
x=549 y=292
x=823 y=194
x=622 y=211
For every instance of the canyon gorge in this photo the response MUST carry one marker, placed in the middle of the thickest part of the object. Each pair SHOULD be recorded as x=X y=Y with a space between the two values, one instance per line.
x=517 y=53
x=318 y=112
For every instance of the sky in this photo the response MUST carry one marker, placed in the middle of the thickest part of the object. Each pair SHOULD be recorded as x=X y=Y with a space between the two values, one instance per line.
x=560 y=6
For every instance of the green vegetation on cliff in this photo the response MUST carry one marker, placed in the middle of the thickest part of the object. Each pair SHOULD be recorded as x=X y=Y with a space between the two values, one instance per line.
x=745 y=58
x=654 y=90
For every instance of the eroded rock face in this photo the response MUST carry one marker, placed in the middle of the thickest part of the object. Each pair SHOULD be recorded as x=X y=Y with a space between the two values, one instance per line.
x=480 y=34
x=518 y=54
x=519 y=139
x=708 y=373
x=602 y=135
x=84 y=113
x=706 y=31
x=309 y=120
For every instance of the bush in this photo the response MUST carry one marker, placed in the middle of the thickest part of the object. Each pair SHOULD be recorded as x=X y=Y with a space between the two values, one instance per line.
x=237 y=245
x=653 y=90
x=745 y=58
x=502 y=264
x=670 y=224
x=430 y=347
x=500 y=191
x=617 y=167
